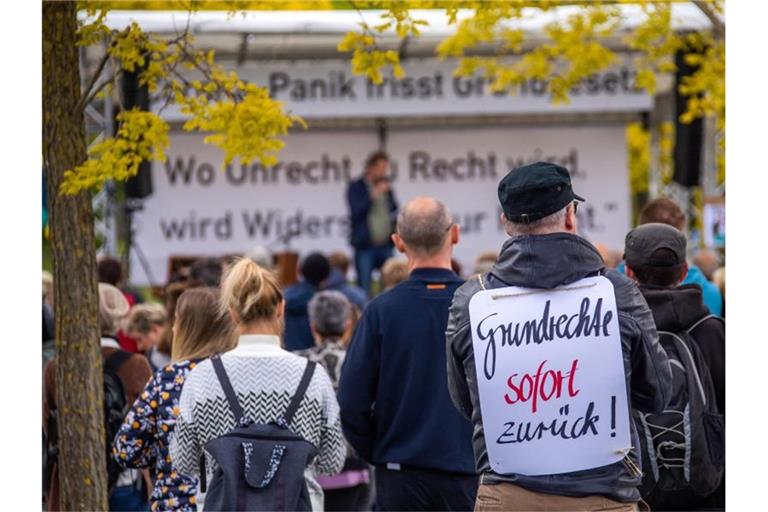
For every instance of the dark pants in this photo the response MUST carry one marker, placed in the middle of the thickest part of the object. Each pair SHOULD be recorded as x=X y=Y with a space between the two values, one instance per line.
x=367 y=260
x=416 y=489
x=127 y=498
x=350 y=498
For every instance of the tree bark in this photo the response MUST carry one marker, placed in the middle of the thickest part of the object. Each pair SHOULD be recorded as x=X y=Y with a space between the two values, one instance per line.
x=79 y=393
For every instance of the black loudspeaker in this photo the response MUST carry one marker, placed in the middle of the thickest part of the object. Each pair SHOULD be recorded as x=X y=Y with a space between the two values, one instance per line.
x=689 y=137
x=135 y=95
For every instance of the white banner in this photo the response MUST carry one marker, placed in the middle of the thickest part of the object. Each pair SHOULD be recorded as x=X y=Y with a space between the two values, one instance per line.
x=200 y=209
x=550 y=375
x=328 y=89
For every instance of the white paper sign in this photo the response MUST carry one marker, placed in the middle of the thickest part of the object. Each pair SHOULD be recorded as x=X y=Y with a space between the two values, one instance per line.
x=551 y=379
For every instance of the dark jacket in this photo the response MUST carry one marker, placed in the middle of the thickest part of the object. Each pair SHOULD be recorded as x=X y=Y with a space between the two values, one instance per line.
x=679 y=309
x=395 y=405
x=359 y=201
x=355 y=294
x=547 y=261
x=298 y=335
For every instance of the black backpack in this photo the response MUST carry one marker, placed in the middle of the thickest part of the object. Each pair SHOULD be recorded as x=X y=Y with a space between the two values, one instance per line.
x=115 y=409
x=683 y=448
x=261 y=466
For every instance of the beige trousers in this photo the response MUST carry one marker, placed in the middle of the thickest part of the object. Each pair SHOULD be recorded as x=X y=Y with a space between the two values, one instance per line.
x=506 y=496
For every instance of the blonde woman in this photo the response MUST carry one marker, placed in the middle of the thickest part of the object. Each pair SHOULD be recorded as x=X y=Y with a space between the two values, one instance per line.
x=148 y=325
x=199 y=331
x=264 y=377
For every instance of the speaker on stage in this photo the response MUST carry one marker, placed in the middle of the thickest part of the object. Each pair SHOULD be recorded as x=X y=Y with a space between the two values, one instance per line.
x=688 y=137
x=136 y=95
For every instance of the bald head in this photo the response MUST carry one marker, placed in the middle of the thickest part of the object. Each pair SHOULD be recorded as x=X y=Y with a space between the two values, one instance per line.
x=424 y=225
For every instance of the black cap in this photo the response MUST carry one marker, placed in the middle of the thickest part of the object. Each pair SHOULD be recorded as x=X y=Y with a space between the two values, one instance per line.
x=643 y=242
x=533 y=191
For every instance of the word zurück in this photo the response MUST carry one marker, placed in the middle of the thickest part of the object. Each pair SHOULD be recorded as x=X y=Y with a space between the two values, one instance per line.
x=588 y=321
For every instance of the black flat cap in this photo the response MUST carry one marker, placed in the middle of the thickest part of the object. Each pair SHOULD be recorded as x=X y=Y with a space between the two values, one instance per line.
x=643 y=242
x=534 y=191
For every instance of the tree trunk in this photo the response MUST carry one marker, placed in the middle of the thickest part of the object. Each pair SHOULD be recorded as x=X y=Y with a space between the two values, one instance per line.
x=79 y=393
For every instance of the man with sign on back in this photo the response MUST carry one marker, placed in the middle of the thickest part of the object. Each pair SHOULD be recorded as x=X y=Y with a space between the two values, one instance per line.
x=546 y=354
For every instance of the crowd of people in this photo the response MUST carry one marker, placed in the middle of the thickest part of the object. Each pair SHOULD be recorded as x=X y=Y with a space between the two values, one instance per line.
x=239 y=393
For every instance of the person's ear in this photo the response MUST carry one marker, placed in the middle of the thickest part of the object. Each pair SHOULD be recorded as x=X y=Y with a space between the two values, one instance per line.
x=455 y=232
x=629 y=273
x=398 y=242
x=234 y=316
x=683 y=273
x=281 y=309
x=570 y=219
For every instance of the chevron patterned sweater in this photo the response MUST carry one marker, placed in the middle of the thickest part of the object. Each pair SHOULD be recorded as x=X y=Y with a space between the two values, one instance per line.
x=264 y=378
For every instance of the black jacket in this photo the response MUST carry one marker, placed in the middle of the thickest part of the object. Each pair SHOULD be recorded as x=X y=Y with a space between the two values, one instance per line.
x=547 y=261
x=679 y=309
x=359 y=202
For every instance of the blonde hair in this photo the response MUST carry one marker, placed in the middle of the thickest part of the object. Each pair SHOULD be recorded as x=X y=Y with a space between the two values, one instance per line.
x=143 y=316
x=113 y=308
x=251 y=291
x=394 y=271
x=200 y=329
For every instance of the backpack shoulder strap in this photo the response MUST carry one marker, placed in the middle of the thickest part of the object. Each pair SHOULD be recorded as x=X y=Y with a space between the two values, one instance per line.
x=309 y=370
x=686 y=351
x=117 y=359
x=702 y=320
x=226 y=385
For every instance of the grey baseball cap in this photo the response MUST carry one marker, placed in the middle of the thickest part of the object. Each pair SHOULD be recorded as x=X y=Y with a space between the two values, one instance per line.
x=643 y=242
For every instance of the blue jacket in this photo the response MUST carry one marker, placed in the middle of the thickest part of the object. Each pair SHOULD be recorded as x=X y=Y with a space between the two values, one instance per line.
x=713 y=299
x=298 y=335
x=359 y=201
x=393 y=392
x=355 y=294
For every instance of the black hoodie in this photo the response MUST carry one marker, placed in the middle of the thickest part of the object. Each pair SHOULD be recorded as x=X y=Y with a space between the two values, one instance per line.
x=679 y=309
x=548 y=261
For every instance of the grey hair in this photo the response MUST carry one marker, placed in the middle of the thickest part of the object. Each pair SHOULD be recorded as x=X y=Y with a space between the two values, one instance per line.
x=329 y=312
x=424 y=231
x=544 y=225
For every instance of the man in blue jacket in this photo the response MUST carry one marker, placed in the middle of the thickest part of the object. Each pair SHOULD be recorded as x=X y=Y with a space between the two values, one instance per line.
x=396 y=410
x=317 y=275
x=372 y=211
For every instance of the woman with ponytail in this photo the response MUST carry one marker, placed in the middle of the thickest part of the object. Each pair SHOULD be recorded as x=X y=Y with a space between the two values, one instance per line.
x=264 y=377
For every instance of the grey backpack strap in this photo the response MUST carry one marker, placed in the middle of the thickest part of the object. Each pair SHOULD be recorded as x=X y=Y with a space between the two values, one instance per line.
x=309 y=370
x=701 y=321
x=226 y=385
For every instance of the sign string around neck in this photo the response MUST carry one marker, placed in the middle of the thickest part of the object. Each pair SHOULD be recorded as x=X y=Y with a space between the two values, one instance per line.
x=534 y=292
